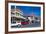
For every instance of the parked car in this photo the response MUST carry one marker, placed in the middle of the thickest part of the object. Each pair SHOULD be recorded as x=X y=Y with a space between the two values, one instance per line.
x=24 y=23
x=16 y=24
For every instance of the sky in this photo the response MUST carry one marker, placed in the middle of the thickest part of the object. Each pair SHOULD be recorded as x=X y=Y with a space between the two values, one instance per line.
x=29 y=10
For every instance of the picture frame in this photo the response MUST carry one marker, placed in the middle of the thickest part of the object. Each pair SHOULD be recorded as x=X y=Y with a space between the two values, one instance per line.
x=19 y=4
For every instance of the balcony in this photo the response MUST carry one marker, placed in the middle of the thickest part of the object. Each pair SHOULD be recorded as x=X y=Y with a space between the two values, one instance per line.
x=17 y=16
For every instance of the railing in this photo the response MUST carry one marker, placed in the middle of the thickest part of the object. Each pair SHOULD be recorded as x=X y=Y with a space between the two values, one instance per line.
x=17 y=16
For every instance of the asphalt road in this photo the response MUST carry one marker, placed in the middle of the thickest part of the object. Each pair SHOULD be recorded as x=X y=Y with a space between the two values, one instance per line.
x=31 y=25
x=28 y=25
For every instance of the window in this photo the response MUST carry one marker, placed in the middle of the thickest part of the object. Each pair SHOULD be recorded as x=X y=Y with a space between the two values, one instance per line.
x=21 y=15
x=13 y=20
x=31 y=17
x=12 y=13
x=17 y=14
x=36 y=18
x=32 y=21
x=12 y=7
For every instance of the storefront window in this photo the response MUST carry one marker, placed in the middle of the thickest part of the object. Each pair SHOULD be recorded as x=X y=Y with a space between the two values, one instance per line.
x=13 y=20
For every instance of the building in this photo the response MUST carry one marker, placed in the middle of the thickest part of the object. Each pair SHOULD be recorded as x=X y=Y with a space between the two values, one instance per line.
x=33 y=19
x=16 y=16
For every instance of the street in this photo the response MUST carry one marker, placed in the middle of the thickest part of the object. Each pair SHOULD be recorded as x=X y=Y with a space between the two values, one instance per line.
x=31 y=25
